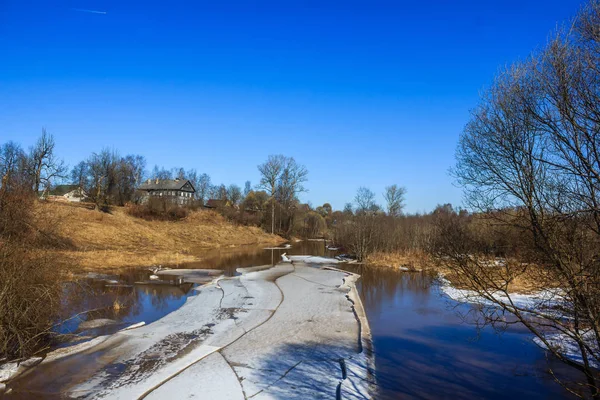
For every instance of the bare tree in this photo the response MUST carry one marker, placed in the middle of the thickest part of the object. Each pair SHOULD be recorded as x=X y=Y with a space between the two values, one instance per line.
x=247 y=188
x=79 y=174
x=128 y=174
x=178 y=173
x=203 y=188
x=348 y=209
x=234 y=195
x=101 y=180
x=219 y=192
x=365 y=200
x=270 y=172
x=364 y=226
x=291 y=183
x=44 y=165
x=394 y=197
x=530 y=158
x=13 y=166
x=138 y=168
x=161 y=173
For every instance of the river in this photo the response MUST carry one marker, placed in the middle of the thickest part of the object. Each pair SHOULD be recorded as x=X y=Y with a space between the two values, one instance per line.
x=423 y=346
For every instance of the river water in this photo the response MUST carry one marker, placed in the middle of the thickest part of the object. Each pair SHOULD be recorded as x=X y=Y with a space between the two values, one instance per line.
x=423 y=346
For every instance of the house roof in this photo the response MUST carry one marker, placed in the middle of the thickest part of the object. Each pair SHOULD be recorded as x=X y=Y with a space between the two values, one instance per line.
x=165 y=184
x=59 y=190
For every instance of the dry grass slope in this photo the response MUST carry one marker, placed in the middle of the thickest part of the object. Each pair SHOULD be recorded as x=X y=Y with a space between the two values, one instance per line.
x=116 y=239
x=524 y=282
x=413 y=260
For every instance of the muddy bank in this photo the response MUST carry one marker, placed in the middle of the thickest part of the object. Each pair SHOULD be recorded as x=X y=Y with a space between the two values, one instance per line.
x=292 y=331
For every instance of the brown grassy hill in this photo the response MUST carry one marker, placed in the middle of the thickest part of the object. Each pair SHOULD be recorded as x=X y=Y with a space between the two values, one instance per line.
x=116 y=239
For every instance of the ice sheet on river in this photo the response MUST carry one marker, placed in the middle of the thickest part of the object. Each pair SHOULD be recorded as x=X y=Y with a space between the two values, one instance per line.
x=313 y=259
x=291 y=331
x=191 y=275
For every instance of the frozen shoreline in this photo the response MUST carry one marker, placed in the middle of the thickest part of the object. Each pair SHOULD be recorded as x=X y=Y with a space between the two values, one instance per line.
x=289 y=331
x=544 y=302
x=569 y=348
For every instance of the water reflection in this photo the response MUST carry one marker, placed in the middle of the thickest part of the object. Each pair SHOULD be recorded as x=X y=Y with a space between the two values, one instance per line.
x=124 y=302
x=425 y=349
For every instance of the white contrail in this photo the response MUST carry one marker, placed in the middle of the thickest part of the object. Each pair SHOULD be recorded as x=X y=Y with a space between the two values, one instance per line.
x=89 y=11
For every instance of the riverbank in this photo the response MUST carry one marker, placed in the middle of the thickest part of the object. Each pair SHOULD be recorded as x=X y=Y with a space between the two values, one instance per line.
x=288 y=331
x=96 y=240
x=525 y=283
x=404 y=261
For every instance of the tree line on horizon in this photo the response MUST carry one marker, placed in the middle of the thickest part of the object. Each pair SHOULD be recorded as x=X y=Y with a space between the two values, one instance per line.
x=363 y=227
x=109 y=179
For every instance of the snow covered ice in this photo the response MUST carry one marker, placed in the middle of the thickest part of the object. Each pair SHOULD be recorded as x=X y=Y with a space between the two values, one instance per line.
x=290 y=331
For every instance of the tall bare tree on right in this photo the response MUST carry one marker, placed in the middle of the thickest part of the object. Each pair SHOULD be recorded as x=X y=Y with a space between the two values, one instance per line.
x=530 y=158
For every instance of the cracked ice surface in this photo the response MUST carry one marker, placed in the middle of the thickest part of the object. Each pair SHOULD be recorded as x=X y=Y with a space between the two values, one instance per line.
x=199 y=382
x=284 y=332
x=297 y=353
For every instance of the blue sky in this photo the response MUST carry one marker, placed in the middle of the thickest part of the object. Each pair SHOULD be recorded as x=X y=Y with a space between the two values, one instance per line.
x=364 y=93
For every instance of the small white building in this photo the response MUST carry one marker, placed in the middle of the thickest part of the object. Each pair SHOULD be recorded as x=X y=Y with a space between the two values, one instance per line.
x=70 y=193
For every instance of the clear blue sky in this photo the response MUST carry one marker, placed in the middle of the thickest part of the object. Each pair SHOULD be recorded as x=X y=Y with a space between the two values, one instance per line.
x=364 y=93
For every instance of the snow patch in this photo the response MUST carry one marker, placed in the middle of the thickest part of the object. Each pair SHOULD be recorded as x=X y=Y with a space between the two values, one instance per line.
x=12 y=369
x=569 y=348
x=543 y=300
x=139 y=324
x=8 y=370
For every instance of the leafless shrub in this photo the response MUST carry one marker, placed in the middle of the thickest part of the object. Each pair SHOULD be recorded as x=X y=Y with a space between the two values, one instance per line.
x=310 y=224
x=161 y=209
x=30 y=288
x=30 y=277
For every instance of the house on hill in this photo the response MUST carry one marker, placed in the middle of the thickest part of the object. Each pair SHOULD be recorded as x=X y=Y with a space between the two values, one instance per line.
x=72 y=193
x=179 y=191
